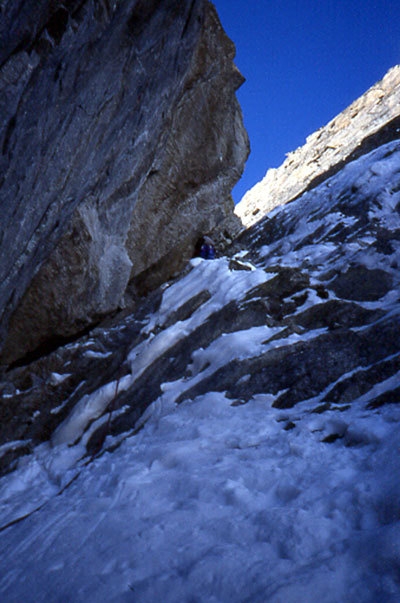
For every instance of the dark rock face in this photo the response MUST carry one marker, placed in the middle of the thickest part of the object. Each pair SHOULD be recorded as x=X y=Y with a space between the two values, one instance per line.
x=121 y=141
x=360 y=283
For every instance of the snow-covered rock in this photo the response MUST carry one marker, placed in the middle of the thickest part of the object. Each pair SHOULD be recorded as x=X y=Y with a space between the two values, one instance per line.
x=307 y=308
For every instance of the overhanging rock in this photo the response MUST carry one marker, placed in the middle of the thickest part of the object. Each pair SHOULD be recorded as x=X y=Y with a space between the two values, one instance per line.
x=121 y=141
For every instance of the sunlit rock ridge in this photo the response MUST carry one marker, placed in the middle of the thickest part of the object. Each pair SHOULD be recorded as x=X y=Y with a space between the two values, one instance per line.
x=121 y=139
x=371 y=120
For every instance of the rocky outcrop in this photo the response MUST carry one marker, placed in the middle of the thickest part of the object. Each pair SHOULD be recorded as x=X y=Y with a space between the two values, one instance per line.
x=371 y=120
x=121 y=141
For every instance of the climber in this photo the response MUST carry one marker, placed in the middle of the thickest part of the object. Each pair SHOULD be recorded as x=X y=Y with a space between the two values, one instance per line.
x=207 y=248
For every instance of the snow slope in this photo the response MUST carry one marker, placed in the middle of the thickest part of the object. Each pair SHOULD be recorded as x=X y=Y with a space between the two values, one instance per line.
x=265 y=466
x=212 y=502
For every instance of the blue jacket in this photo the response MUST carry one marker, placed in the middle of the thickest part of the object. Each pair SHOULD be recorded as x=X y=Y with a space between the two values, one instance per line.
x=207 y=251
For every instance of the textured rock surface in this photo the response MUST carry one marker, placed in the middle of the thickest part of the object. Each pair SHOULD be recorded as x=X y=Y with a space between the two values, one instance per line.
x=317 y=282
x=121 y=141
x=371 y=120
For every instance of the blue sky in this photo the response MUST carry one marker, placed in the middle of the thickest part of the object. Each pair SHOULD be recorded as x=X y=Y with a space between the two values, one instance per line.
x=304 y=62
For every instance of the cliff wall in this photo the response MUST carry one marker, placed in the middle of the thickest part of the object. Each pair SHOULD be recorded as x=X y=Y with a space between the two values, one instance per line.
x=121 y=140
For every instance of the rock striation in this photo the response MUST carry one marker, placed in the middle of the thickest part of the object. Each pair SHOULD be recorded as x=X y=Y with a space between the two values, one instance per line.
x=121 y=140
x=369 y=121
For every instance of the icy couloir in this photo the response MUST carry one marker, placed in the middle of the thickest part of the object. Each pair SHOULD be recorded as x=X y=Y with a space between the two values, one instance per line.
x=237 y=438
x=306 y=307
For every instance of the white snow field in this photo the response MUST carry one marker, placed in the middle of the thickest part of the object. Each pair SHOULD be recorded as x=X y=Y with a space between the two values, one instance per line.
x=215 y=500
